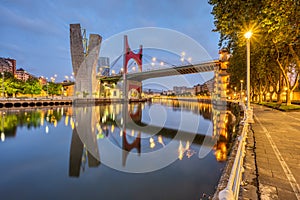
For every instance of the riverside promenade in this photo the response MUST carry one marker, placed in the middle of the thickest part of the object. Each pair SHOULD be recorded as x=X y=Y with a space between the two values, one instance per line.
x=272 y=163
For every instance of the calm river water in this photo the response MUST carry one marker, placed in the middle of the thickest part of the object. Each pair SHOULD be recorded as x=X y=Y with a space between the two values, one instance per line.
x=160 y=150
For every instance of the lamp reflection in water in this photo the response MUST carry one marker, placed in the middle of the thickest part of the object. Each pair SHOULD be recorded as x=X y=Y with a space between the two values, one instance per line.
x=2 y=128
x=185 y=150
x=160 y=140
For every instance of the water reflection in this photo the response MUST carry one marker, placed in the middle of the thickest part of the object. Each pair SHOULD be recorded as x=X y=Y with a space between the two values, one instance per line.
x=79 y=155
x=224 y=128
x=29 y=118
x=126 y=127
x=70 y=147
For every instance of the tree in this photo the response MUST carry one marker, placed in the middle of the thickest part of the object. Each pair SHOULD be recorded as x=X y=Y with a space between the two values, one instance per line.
x=13 y=86
x=32 y=86
x=275 y=40
x=280 y=21
x=53 y=88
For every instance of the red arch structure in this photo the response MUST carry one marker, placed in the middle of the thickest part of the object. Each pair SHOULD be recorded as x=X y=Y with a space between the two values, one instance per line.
x=127 y=147
x=128 y=54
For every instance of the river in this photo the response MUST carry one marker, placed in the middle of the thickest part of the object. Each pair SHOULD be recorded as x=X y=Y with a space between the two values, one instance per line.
x=161 y=150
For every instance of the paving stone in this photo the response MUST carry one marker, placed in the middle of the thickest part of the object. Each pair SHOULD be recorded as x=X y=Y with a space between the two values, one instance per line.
x=266 y=172
x=279 y=175
x=285 y=194
x=273 y=181
x=284 y=132
x=268 y=192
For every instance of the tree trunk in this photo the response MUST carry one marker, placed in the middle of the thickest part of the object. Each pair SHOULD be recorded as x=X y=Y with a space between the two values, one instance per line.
x=271 y=96
x=279 y=99
x=260 y=97
x=265 y=96
x=288 y=97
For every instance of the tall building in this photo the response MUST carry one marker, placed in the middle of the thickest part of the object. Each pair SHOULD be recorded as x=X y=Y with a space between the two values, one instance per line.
x=8 y=65
x=103 y=66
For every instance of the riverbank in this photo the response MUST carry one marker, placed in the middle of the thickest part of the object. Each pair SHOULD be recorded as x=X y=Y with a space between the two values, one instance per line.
x=40 y=102
x=191 y=99
x=33 y=102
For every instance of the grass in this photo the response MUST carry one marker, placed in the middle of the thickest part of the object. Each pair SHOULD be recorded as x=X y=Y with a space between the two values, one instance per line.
x=282 y=107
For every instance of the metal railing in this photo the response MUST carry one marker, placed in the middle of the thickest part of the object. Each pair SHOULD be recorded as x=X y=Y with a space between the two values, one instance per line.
x=231 y=191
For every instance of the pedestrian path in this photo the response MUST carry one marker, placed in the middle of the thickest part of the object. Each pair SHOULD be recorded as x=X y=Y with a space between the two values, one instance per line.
x=272 y=166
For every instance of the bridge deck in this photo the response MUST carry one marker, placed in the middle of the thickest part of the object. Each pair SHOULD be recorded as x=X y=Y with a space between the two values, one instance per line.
x=180 y=70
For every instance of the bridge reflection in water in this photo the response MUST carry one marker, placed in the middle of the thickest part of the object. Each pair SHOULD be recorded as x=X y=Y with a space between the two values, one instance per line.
x=130 y=128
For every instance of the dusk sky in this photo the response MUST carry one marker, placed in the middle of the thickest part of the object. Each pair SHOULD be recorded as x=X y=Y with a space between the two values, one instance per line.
x=36 y=33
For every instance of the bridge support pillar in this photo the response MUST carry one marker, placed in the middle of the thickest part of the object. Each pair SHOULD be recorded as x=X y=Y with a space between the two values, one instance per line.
x=221 y=80
x=219 y=107
x=134 y=89
x=131 y=89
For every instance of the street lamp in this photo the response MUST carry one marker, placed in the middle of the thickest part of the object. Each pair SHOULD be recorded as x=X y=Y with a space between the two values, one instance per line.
x=241 y=95
x=47 y=85
x=2 y=126
x=249 y=110
x=2 y=84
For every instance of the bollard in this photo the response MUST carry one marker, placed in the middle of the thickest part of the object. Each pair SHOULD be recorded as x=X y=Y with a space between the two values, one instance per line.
x=226 y=194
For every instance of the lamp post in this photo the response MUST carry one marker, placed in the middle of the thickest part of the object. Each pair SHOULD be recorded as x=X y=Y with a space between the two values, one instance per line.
x=241 y=95
x=2 y=84
x=62 y=92
x=249 y=110
x=47 y=87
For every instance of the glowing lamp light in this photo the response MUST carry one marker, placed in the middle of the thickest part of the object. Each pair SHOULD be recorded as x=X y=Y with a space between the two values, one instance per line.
x=248 y=34
x=2 y=137
x=152 y=143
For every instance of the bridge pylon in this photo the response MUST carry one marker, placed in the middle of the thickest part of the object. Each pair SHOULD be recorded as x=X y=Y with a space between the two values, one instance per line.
x=130 y=85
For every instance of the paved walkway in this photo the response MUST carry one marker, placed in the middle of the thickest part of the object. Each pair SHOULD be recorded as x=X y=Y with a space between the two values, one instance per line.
x=272 y=166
